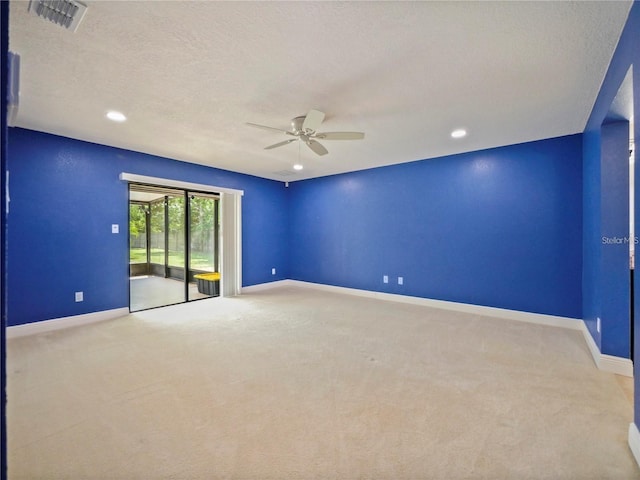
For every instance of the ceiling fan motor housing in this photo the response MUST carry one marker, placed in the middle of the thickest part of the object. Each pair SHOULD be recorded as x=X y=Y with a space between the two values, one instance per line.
x=296 y=125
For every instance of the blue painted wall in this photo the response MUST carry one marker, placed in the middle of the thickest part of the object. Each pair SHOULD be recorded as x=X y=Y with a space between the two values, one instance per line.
x=499 y=227
x=591 y=232
x=627 y=54
x=65 y=194
x=614 y=218
x=606 y=283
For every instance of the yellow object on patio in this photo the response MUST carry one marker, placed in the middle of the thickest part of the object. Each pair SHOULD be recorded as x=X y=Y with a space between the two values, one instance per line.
x=208 y=276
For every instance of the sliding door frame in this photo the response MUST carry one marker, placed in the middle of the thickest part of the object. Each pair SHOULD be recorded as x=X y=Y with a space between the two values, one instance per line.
x=230 y=254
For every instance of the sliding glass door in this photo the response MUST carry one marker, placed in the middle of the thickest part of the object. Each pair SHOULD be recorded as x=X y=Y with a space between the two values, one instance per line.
x=174 y=246
x=203 y=245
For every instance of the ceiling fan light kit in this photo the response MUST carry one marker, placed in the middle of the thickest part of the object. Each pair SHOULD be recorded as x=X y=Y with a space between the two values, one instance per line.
x=304 y=128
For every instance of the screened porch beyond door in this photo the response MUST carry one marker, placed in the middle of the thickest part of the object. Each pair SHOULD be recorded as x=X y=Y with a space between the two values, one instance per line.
x=171 y=232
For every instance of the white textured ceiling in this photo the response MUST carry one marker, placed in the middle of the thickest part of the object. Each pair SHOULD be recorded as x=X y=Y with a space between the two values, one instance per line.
x=190 y=74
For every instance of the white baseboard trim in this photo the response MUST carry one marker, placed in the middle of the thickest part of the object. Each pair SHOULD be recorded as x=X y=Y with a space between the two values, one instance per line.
x=604 y=362
x=265 y=286
x=538 y=318
x=634 y=441
x=64 y=322
x=607 y=363
x=618 y=365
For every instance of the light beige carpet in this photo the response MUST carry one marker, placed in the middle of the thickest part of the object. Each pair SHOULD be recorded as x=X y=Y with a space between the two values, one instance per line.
x=294 y=383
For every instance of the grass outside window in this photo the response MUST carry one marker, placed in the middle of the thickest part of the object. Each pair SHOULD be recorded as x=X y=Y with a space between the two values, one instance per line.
x=199 y=260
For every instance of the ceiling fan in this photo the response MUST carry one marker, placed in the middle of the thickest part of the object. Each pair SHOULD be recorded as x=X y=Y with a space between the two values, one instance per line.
x=304 y=128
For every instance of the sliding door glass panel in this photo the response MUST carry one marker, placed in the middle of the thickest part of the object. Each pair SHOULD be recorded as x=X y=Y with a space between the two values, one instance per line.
x=163 y=284
x=203 y=242
x=176 y=246
x=138 y=251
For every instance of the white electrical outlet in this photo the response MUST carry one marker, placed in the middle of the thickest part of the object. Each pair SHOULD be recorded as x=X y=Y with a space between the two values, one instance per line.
x=115 y=228
x=400 y=281
x=79 y=296
x=385 y=279
x=598 y=324
x=273 y=271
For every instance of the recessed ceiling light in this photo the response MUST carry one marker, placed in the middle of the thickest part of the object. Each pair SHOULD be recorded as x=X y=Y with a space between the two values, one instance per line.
x=459 y=133
x=297 y=166
x=116 y=116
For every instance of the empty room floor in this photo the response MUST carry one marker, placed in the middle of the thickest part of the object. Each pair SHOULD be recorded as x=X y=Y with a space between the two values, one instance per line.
x=295 y=383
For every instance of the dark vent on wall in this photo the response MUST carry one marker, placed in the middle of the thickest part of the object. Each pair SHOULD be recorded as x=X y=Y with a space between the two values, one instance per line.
x=66 y=13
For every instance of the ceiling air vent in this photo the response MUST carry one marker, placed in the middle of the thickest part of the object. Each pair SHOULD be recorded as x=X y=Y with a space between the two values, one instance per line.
x=66 y=13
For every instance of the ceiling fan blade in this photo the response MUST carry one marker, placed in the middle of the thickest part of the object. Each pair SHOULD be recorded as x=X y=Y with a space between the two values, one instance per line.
x=264 y=127
x=340 y=135
x=312 y=121
x=280 y=144
x=316 y=147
